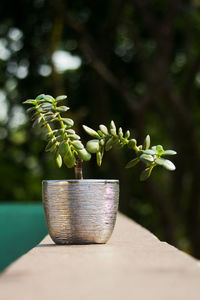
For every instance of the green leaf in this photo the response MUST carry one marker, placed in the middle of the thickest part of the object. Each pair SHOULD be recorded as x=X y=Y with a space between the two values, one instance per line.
x=159 y=149
x=149 y=152
x=113 y=130
x=132 y=144
x=102 y=142
x=147 y=142
x=77 y=144
x=62 y=108
x=69 y=158
x=99 y=158
x=46 y=106
x=73 y=136
x=48 y=98
x=70 y=131
x=127 y=134
x=169 y=152
x=103 y=129
x=30 y=101
x=58 y=160
x=49 y=118
x=63 y=148
x=54 y=120
x=109 y=144
x=132 y=163
x=60 y=98
x=91 y=132
x=51 y=145
x=145 y=174
x=146 y=158
x=120 y=132
x=167 y=164
x=68 y=121
x=84 y=154
x=92 y=146
x=39 y=97
x=100 y=133
x=59 y=138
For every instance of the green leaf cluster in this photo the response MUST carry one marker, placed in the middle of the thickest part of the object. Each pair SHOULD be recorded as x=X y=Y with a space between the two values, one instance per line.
x=105 y=139
x=67 y=147
x=62 y=140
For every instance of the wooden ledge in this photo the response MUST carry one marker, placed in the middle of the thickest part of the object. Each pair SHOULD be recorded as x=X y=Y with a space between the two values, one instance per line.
x=133 y=265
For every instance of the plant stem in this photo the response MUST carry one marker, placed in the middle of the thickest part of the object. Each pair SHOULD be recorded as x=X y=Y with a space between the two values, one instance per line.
x=78 y=169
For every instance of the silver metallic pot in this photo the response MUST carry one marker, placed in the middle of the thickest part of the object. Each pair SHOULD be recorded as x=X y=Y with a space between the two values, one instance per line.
x=80 y=211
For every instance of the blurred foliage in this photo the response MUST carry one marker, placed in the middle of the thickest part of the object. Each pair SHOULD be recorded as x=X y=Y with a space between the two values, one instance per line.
x=136 y=62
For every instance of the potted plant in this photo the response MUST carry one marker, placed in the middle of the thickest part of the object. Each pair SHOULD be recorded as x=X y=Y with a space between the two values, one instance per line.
x=82 y=211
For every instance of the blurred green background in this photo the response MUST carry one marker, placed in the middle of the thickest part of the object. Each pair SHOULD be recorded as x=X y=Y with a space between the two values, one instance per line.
x=136 y=62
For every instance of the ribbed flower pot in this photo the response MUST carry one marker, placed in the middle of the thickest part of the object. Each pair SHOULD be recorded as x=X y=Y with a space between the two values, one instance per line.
x=80 y=211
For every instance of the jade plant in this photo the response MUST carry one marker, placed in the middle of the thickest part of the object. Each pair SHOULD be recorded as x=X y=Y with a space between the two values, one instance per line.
x=66 y=146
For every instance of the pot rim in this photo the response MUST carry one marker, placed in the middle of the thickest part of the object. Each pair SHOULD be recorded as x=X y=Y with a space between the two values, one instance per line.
x=82 y=181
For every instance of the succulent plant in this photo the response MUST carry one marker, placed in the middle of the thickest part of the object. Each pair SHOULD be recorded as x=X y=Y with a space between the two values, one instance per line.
x=105 y=139
x=67 y=147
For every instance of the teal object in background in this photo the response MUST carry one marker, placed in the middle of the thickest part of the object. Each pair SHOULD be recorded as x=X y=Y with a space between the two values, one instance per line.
x=22 y=226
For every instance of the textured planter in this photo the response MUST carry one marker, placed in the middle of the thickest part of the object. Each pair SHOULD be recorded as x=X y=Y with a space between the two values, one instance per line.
x=80 y=211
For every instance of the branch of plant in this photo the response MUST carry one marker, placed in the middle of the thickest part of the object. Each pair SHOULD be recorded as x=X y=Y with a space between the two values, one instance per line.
x=66 y=146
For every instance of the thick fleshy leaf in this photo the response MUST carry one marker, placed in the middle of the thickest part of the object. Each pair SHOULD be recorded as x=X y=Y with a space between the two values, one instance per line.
x=92 y=146
x=58 y=160
x=100 y=133
x=77 y=144
x=132 y=163
x=91 y=132
x=109 y=144
x=47 y=106
x=39 y=97
x=169 y=152
x=54 y=120
x=99 y=158
x=51 y=145
x=73 y=136
x=84 y=154
x=145 y=174
x=120 y=132
x=30 y=101
x=102 y=142
x=48 y=98
x=104 y=129
x=49 y=118
x=68 y=121
x=60 y=98
x=147 y=142
x=132 y=143
x=149 y=152
x=113 y=130
x=63 y=148
x=62 y=108
x=167 y=164
x=69 y=158
x=127 y=134
x=146 y=158
x=159 y=149
x=70 y=131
